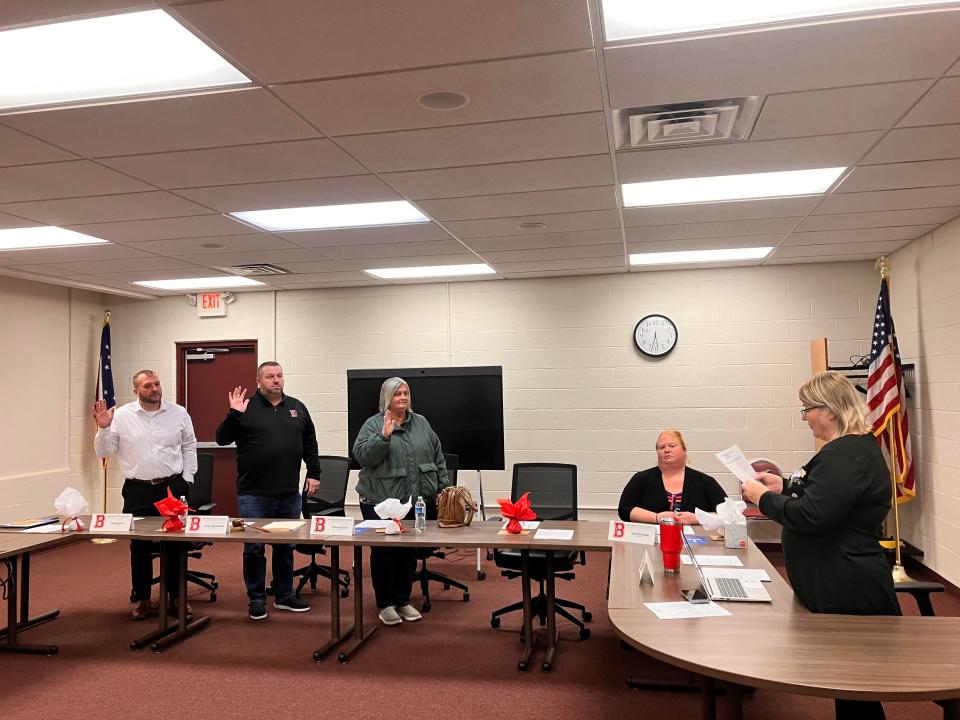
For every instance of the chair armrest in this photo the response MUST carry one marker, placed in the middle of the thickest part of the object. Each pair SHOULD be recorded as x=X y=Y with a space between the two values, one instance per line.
x=205 y=509
x=330 y=512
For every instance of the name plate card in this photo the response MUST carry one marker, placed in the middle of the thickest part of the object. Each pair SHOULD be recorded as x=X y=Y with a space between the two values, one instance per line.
x=327 y=525
x=640 y=533
x=207 y=524
x=111 y=522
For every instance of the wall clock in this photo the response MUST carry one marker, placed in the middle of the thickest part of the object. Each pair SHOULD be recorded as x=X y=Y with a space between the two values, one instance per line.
x=655 y=335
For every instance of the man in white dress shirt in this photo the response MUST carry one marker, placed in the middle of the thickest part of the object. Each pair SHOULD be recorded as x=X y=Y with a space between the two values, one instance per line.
x=156 y=449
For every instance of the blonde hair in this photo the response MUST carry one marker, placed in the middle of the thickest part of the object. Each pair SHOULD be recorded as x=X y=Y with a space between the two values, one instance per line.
x=671 y=432
x=834 y=392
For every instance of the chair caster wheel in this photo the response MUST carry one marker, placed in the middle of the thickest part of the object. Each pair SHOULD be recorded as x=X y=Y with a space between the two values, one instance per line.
x=495 y=622
x=213 y=597
x=345 y=592
x=545 y=667
x=446 y=587
x=342 y=657
x=481 y=575
x=317 y=656
x=584 y=633
x=587 y=615
x=522 y=666
x=466 y=597
x=426 y=607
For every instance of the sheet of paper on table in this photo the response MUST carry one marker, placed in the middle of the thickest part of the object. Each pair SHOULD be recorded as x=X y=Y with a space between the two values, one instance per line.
x=738 y=573
x=284 y=524
x=545 y=534
x=44 y=529
x=716 y=560
x=373 y=524
x=683 y=609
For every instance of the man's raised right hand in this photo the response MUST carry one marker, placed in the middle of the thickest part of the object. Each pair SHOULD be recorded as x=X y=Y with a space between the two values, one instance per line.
x=237 y=400
x=101 y=415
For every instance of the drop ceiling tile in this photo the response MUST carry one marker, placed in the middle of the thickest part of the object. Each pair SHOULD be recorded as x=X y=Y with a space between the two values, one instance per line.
x=298 y=159
x=608 y=264
x=135 y=265
x=372 y=251
x=86 y=253
x=235 y=117
x=129 y=276
x=31 y=12
x=527 y=176
x=767 y=226
x=890 y=200
x=955 y=70
x=841 y=237
x=562 y=273
x=557 y=222
x=296 y=257
x=163 y=228
x=292 y=193
x=720 y=212
x=19 y=149
x=926 y=173
x=500 y=206
x=922 y=143
x=499 y=142
x=77 y=178
x=9 y=221
x=571 y=252
x=427 y=260
x=883 y=218
x=302 y=281
x=801 y=57
x=839 y=251
x=838 y=110
x=502 y=90
x=288 y=40
x=545 y=240
x=105 y=208
x=223 y=243
x=854 y=257
x=938 y=107
x=750 y=157
x=361 y=236
x=703 y=244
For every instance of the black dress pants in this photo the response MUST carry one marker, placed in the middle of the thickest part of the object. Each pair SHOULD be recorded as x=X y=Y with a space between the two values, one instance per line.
x=139 y=499
x=392 y=569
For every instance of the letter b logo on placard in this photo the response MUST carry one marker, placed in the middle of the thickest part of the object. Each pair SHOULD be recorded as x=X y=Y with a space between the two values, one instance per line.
x=194 y=523
x=99 y=520
x=618 y=530
x=319 y=524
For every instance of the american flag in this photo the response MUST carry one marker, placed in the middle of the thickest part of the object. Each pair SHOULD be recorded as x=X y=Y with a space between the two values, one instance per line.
x=105 y=371
x=886 y=397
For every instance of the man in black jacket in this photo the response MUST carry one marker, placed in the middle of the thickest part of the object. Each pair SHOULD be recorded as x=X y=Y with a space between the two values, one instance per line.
x=274 y=434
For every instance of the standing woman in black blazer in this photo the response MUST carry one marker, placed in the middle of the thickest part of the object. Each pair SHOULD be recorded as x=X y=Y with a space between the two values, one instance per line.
x=671 y=488
x=832 y=518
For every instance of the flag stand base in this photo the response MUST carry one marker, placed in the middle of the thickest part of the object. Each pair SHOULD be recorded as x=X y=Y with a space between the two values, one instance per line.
x=900 y=575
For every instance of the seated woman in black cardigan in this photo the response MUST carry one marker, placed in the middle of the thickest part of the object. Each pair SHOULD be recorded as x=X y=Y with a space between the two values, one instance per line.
x=671 y=488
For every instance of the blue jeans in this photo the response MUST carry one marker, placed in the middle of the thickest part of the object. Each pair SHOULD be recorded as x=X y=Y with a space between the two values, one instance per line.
x=254 y=557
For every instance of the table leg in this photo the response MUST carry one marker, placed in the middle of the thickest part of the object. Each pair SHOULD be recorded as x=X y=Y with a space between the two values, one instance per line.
x=169 y=633
x=951 y=709
x=337 y=635
x=18 y=588
x=708 y=699
x=360 y=634
x=550 y=582
x=734 y=701
x=529 y=639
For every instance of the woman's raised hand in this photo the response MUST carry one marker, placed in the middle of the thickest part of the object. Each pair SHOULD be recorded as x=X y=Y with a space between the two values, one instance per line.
x=388 y=424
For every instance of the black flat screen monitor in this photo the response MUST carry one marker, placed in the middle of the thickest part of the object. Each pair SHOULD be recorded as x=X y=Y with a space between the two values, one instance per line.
x=464 y=406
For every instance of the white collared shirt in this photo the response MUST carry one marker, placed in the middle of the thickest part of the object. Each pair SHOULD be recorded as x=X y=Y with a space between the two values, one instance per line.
x=150 y=445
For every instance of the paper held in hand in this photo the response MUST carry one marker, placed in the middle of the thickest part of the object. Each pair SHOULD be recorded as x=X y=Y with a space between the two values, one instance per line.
x=641 y=533
x=736 y=462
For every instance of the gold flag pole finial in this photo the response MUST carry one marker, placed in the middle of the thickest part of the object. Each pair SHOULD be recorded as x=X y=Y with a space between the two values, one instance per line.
x=883 y=265
x=106 y=317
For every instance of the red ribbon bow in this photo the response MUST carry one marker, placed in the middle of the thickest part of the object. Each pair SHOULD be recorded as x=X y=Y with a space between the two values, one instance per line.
x=516 y=512
x=172 y=509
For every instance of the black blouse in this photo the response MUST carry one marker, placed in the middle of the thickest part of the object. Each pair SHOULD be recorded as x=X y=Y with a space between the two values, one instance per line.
x=645 y=490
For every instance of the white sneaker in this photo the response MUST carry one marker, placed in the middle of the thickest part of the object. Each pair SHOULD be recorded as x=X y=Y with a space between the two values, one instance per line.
x=409 y=613
x=389 y=616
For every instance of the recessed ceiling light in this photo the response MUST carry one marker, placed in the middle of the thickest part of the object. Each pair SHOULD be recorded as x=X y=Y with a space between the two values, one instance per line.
x=443 y=100
x=628 y=19
x=44 y=237
x=207 y=283
x=719 y=188
x=531 y=226
x=433 y=271
x=131 y=54
x=323 y=217
x=697 y=256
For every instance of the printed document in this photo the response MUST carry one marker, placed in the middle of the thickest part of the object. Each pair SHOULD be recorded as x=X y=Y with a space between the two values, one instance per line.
x=736 y=462
x=683 y=609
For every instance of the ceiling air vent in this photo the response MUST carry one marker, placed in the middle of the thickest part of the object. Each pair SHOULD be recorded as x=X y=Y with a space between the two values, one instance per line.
x=259 y=269
x=685 y=123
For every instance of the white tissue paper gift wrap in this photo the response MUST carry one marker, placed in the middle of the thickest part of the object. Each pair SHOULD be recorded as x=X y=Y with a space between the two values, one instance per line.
x=393 y=509
x=728 y=521
x=70 y=503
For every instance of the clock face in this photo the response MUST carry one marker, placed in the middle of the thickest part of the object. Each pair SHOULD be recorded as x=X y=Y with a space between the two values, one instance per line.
x=655 y=335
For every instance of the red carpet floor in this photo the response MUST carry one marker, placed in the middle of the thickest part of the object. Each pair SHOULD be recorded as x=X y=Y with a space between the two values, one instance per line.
x=451 y=665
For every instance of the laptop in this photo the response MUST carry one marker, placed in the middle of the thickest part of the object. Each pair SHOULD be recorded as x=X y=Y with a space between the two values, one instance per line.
x=728 y=589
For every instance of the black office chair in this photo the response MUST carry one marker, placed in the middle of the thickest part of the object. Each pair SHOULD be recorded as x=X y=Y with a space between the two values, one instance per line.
x=328 y=500
x=553 y=496
x=424 y=575
x=200 y=499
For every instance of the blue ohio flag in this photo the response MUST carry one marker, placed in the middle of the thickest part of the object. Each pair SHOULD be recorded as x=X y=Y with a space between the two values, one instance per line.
x=105 y=371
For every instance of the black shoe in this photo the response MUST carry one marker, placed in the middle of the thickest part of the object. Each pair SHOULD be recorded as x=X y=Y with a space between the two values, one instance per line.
x=257 y=611
x=293 y=604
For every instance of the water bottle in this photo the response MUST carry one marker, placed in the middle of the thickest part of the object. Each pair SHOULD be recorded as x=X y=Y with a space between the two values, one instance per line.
x=183 y=518
x=420 y=515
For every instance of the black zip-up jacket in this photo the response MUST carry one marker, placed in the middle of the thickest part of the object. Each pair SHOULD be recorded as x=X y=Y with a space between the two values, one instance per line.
x=271 y=443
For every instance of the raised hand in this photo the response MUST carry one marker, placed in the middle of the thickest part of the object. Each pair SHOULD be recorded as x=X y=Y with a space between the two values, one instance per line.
x=101 y=415
x=237 y=400
x=388 y=424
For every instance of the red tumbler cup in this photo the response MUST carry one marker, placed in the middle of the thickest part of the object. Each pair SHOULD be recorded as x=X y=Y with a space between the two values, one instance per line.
x=671 y=543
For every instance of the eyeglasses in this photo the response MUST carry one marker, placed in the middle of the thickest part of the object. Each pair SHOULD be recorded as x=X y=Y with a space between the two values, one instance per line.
x=805 y=410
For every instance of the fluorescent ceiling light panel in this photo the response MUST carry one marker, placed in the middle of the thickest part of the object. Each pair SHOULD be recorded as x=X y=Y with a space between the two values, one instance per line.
x=433 y=271
x=324 y=217
x=131 y=54
x=719 y=188
x=207 y=283
x=699 y=256
x=44 y=237
x=629 y=19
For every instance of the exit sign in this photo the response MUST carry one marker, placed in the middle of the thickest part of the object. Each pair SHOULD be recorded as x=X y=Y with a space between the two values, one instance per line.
x=211 y=304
